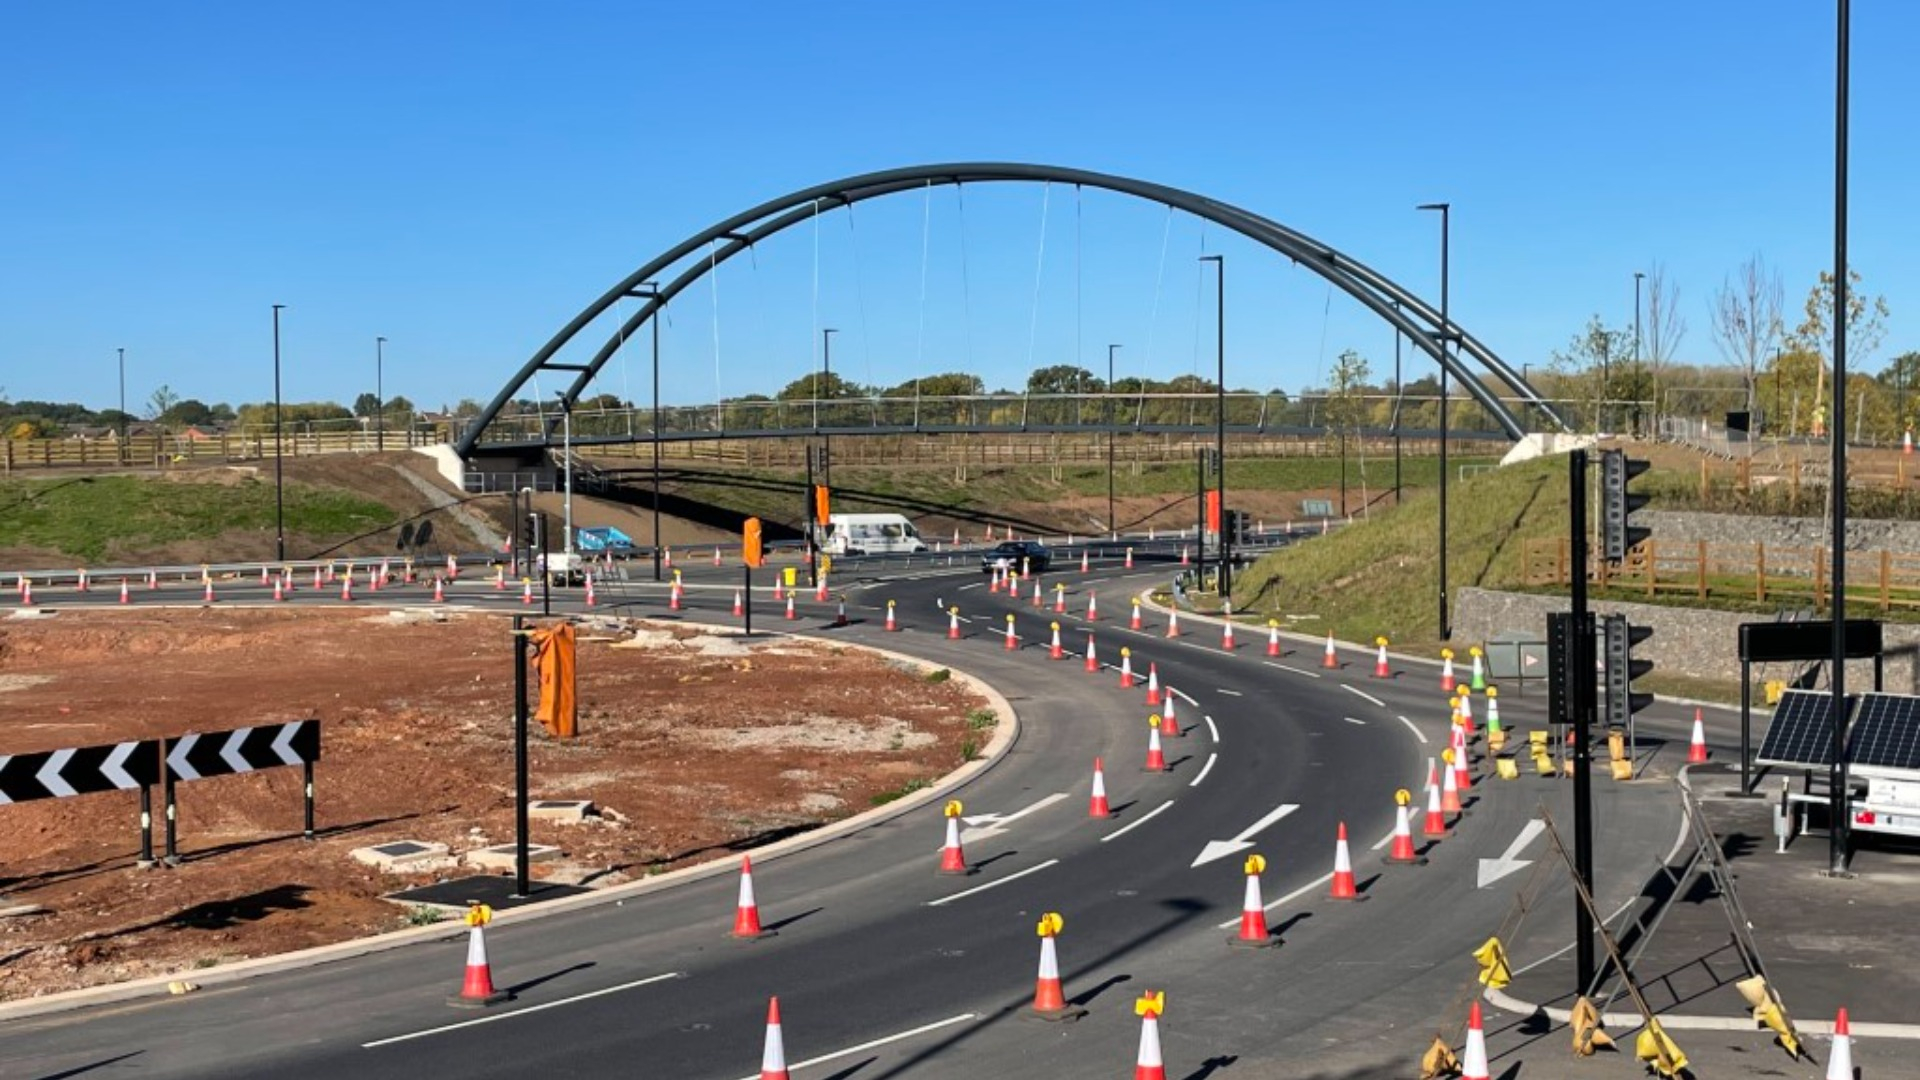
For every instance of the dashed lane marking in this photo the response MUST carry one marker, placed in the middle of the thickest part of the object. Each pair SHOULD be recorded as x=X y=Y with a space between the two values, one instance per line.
x=1362 y=694
x=1351 y=720
x=872 y=1044
x=1416 y=731
x=1203 y=770
x=1125 y=829
x=1211 y=728
x=1229 y=693
x=1295 y=670
x=992 y=884
x=542 y=1007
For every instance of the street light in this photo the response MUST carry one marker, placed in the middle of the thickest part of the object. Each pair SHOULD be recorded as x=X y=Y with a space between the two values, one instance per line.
x=379 y=395
x=1399 y=402
x=650 y=290
x=1220 y=427
x=566 y=462
x=1637 y=277
x=279 y=485
x=826 y=368
x=1106 y=412
x=1839 y=818
x=1446 y=337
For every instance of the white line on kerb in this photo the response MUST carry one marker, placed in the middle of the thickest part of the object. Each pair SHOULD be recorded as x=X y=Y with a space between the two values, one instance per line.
x=1125 y=829
x=992 y=884
x=1410 y=727
x=1295 y=670
x=543 y=1006
x=1211 y=729
x=1203 y=770
x=1363 y=694
x=882 y=1041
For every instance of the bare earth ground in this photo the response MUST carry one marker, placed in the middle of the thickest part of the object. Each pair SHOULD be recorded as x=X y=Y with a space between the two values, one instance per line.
x=691 y=743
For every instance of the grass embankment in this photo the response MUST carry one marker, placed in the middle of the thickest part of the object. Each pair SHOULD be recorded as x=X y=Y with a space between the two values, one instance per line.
x=92 y=517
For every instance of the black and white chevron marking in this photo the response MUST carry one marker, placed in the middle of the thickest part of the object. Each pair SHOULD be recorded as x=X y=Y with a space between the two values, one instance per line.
x=221 y=753
x=85 y=770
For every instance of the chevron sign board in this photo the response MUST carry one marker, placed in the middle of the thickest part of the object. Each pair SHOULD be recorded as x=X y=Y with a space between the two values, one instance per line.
x=222 y=753
x=57 y=774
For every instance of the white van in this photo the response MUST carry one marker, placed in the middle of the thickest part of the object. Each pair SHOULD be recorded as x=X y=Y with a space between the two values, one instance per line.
x=872 y=534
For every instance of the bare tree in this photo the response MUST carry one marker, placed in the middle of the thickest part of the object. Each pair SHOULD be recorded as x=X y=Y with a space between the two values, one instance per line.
x=1665 y=325
x=1865 y=324
x=1746 y=321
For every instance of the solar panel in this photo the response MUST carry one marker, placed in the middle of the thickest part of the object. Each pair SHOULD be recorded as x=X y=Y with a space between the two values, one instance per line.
x=1802 y=730
x=1886 y=732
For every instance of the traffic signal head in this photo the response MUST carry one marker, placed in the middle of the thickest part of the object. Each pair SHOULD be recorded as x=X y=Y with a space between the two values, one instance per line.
x=1622 y=668
x=1616 y=504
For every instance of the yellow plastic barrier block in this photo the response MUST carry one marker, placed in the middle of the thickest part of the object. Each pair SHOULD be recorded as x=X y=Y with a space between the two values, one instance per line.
x=1622 y=769
x=1544 y=764
x=1537 y=739
x=1505 y=767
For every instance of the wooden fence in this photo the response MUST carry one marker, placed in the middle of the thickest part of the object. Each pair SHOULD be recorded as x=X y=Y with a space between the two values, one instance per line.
x=1757 y=572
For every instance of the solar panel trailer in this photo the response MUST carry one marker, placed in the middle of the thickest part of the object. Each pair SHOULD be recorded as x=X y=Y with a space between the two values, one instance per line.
x=1883 y=748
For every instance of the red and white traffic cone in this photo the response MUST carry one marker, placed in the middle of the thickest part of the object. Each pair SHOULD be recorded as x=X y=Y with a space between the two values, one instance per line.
x=205 y=598
x=1401 y=851
x=1126 y=668
x=1380 y=668
x=1083 y=562
x=1093 y=663
x=1226 y=635
x=1184 y=561
x=673 y=596
x=593 y=599
x=1156 y=757
x=716 y=556
x=1173 y=622
x=318 y=580
x=1331 y=660
x=1697 y=747
x=526 y=590
x=1343 y=884
x=666 y=556
x=1473 y=1060
x=746 y=914
x=1093 y=608
x=740 y=605
x=153 y=579
x=819 y=592
x=1169 y=723
x=1840 y=1058
x=952 y=859
x=1462 y=775
x=279 y=592
x=81 y=584
x=993 y=581
x=477 y=989
x=1013 y=642
x=891 y=626
x=453 y=568
x=790 y=612
x=125 y=596
x=1450 y=790
x=778 y=593
x=1253 y=915
x=1435 y=824
x=1049 y=1003
x=1273 y=638
x=500 y=577
x=953 y=622
x=1153 y=683
x=1149 y=1065
x=1466 y=711
x=773 y=1053
x=1446 y=671
x=1097 y=805
x=1129 y=562
x=840 y=614
x=1039 y=598
x=1055 y=651
x=1060 y=599
x=1134 y=622
x=439 y=590
x=346 y=585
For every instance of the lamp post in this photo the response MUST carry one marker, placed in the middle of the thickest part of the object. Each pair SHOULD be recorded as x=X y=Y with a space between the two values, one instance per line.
x=123 y=405
x=1446 y=337
x=1839 y=813
x=651 y=290
x=1399 y=400
x=1220 y=423
x=1638 y=276
x=1106 y=412
x=379 y=395
x=566 y=462
x=826 y=369
x=279 y=484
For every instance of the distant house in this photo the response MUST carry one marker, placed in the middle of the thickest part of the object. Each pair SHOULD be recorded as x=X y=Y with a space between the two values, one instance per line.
x=91 y=433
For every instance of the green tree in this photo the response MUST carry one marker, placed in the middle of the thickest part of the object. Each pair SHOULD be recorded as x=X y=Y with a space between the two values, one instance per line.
x=1063 y=379
x=1865 y=326
x=1593 y=368
x=366 y=405
x=160 y=401
x=1346 y=406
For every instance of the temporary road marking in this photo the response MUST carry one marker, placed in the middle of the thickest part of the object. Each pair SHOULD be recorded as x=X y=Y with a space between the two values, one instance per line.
x=1351 y=720
x=1184 y=696
x=1295 y=670
x=523 y=1012
x=1492 y=870
x=1410 y=727
x=1203 y=770
x=1230 y=693
x=1125 y=829
x=992 y=884
x=882 y=1041
x=1220 y=849
x=1211 y=728
x=964 y=588
x=1363 y=694
x=994 y=821
x=1287 y=899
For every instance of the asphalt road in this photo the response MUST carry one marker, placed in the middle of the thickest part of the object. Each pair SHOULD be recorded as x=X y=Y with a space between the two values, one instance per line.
x=873 y=943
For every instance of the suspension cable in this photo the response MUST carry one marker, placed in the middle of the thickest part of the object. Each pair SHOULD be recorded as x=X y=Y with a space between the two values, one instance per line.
x=1153 y=316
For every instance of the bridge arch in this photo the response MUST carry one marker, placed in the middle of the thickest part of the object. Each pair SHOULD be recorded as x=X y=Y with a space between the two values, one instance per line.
x=1393 y=303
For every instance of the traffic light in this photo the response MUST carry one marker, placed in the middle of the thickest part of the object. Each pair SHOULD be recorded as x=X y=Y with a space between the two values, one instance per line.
x=1622 y=668
x=1616 y=504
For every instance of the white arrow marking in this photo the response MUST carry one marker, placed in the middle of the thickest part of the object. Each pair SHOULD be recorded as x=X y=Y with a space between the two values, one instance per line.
x=1220 y=849
x=177 y=758
x=49 y=774
x=283 y=742
x=114 y=768
x=230 y=753
x=994 y=821
x=1492 y=870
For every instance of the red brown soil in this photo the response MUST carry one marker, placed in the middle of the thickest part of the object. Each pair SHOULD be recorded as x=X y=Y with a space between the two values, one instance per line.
x=416 y=714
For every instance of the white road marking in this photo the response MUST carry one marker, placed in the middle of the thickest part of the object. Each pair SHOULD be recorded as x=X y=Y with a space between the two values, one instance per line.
x=994 y=822
x=1287 y=899
x=882 y=1041
x=1125 y=829
x=1363 y=694
x=1229 y=693
x=523 y=1012
x=1203 y=770
x=964 y=588
x=1220 y=849
x=1184 y=696
x=1492 y=870
x=1211 y=729
x=1383 y=841
x=1410 y=727
x=992 y=884
x=1351 y=720
x=1295 y=670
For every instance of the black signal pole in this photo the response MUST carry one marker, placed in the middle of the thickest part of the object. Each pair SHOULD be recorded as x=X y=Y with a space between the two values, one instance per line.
x=1446 y=337
x=521 y=859
x=1580 y=699
x=1225 y=572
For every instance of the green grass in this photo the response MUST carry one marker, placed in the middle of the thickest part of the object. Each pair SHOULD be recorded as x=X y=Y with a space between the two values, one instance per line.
x=90 y=517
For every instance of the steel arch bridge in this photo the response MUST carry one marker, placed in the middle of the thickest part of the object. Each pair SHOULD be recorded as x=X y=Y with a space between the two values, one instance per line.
x=1393 y=303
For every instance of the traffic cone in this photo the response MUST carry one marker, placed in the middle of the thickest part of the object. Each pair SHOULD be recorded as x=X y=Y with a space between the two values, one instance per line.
x=593 y=599
x=819 y=593
x=153 y=579
x=892 y=626
x=1253 y=915
x=1126 y=668
x=1129 y=563
x=1039 y=601
x=1273 y=637
x=1343 y=884
x=1153 y=683
x=346 y=585
x=1184 y=561
x=279 y=593
x=125 y=597
x=953 y=621
x=1380 y=668
x=206 y=597
x=1462 y=775
x=952 y=860
x=1083 y=562
x=1097 y=806
x=666 y=557
x=1840 y=1058
x=453 y=568
x=1169 y=724
x=1054 y=651
x=716 y=556
x=746 y=915
x=1697 y=748
x=1466 y=712
x=500 y=577
x=1092 y=663
x=993 y=581
x=317 y=581
x=778 y=593
x=1435 y=825
x=673 y=595
x=1156 y=757
x=1012 y=641
x=1093 y=608
x=773 y=1053
x=1060 y=599
x=81 y=584
x=740 y=605
x=1049 y=1003
x=1226 y=635
x=526 y=590
x=790 y=613
x=1149 y=1065
x=840 y=616
x=439 y=590
x=1906 y=441
x=1479 y=671
x=1401 y=852
x=1173 y=622
x=1449 y=791
x=1493 y=711
x=1134 y=622
x=1331 y=660
x=477 y=988
x=1446 y=671
x=1473 y=1060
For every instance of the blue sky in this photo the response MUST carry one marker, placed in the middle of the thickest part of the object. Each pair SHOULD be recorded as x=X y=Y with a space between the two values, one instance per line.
x=464 y=178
